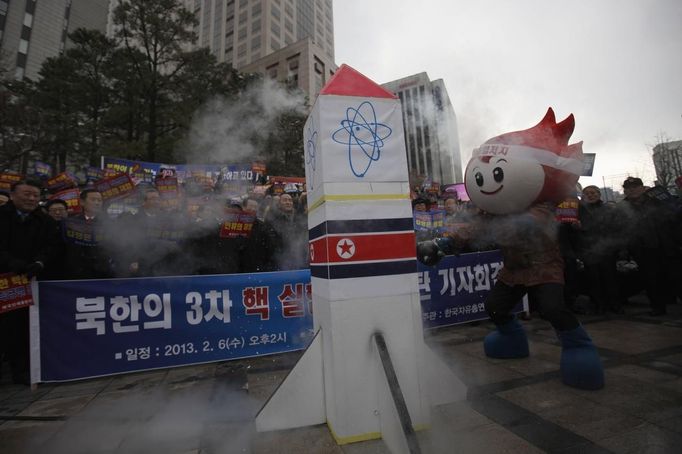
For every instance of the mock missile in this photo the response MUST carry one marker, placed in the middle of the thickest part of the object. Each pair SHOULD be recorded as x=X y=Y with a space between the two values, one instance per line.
x=364 y=277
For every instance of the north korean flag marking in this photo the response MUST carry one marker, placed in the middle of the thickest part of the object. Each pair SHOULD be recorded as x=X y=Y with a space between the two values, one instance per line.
x=362 y=247
x=345 y=248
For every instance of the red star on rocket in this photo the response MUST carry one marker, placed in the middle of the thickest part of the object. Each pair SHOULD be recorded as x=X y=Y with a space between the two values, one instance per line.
x=345 y=248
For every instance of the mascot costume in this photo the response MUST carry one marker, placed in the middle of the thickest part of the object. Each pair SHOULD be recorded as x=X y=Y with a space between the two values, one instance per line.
x=519 y=178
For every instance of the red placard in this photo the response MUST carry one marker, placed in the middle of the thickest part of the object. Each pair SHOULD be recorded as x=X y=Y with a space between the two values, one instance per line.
x=62 y=181
x=259 y=167
x=9 y=178
x=567 y=211
x=72 y=199
x=15 y=292
x=168 y=191
x=237 y=225
x=115 y=187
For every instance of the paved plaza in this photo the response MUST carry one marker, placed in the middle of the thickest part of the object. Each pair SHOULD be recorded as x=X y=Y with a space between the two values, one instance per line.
x=513 y=406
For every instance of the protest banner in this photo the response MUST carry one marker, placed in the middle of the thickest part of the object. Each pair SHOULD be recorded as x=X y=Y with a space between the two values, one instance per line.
x=457 y=190
x=100 y=327
x=79 y=232
x=90 y=328
x=169 y=192
x=94 y=173
x=72 y=199
x=42 y=169
x=588 y=164
x=147 y=171
x=115 y=187
x=64 y=180
x=7 y=179
x=430 y=221
x=567 y=211
x=15 y=292
x=237 y=225
x=454 y=291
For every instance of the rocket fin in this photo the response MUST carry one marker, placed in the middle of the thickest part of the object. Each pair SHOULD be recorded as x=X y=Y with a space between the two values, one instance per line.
x=302 y=389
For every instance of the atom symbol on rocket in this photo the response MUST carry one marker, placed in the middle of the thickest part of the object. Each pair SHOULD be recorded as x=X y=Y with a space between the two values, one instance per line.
x=363 y=136
x=345 y=248
x=311 y=150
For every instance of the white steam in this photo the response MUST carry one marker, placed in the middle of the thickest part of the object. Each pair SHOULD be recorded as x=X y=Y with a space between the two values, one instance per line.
x=227 y=131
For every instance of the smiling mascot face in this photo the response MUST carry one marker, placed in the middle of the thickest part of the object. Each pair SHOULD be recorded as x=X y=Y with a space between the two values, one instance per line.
x=509 y=173
x=503 y=185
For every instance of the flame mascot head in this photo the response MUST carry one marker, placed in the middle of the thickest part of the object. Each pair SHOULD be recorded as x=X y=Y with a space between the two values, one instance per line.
x=513 y=171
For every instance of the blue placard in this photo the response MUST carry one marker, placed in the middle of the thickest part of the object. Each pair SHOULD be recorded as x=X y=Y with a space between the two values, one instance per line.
x=101 y=327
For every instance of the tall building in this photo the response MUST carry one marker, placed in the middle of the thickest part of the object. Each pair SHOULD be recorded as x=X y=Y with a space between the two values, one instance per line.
x=431 y=136
x=33 y=30
x=289 y=40
x=302 y=64
x=242 y=31
x=667 y=158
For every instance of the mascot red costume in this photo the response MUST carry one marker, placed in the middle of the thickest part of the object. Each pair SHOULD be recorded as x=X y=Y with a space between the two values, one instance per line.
x=520 y=177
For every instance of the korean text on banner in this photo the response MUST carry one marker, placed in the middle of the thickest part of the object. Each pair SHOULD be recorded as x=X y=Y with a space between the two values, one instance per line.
x=101 y=327
x=15 y=292
x=237 y=225
x=72 y=199
x=456 y=290
x=115 y=187
x=9 y=178
x=62 y=181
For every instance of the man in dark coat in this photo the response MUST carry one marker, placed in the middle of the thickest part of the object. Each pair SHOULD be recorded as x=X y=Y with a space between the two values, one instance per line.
x=256 y=256
x=87 y=258
x=600 y=240
x=148 y=240
x=291 y=246
x=654 y=242
x=29 y=240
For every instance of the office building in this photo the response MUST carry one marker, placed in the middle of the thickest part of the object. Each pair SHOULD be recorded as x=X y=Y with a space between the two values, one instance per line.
x=288 y=40
x=431 y=136
x=33 y=30
x=667 y=159
x=302 y=64
x=243 y=31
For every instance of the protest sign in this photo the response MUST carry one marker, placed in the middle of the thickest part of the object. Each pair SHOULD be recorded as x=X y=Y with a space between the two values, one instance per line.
x=15 y=292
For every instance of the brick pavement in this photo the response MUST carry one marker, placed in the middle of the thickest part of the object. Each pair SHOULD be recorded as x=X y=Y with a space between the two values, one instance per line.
x=512 y=405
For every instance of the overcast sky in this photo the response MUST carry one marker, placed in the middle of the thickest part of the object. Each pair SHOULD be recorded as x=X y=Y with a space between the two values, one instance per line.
x=615 y=64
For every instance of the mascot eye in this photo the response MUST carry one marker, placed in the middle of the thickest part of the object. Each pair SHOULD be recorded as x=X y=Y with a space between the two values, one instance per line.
x=498 y=174
x=479 y=178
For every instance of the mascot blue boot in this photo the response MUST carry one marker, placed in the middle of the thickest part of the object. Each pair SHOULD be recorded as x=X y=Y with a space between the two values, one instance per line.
x=580 y=363
x=507 y=341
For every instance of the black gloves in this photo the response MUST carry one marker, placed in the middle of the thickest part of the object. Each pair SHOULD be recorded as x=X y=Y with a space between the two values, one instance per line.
x=428 y=253
x=32 y=269
x=432 y=251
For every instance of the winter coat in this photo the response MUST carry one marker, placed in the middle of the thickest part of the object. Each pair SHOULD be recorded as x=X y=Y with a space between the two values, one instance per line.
x=36 y=238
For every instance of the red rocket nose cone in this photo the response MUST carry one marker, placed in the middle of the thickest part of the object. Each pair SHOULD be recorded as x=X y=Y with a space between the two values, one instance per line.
x=349 y=82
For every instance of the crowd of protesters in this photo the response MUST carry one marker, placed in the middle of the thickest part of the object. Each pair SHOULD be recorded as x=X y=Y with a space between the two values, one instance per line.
x=604 y=246
x=609 y=250
x=225 y=235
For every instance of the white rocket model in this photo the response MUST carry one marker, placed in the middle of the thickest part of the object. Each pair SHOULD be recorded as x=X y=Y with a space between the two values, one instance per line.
x=364 y=276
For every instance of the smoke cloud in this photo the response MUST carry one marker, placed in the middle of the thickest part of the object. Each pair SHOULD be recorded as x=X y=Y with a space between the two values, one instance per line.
x=227 y=130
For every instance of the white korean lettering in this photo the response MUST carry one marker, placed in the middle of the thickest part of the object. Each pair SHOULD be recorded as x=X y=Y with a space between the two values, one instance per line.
x=90 y=314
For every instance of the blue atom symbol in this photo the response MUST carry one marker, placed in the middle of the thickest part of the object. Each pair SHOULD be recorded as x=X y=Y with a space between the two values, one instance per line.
x=310 y=150
x=361 y=130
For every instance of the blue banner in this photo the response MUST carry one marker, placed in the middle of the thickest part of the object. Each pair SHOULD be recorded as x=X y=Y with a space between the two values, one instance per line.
x=147 y=171
x=101 y=327
x=455 y=291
